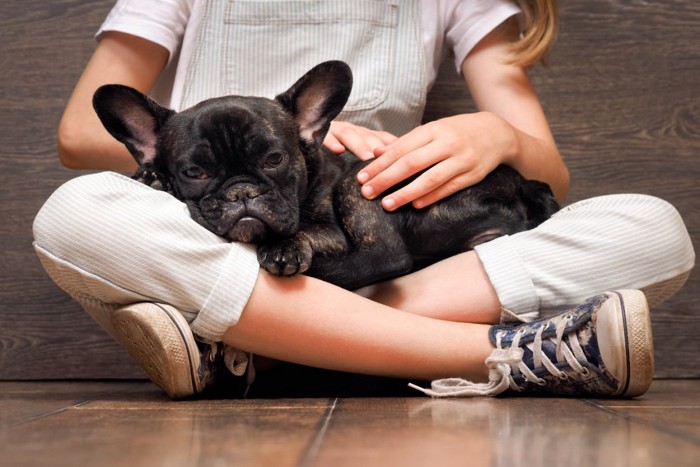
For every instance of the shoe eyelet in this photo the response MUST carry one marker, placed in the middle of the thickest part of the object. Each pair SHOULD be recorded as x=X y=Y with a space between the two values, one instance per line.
x=585 y=372
x=541 y=382
x=563 y=377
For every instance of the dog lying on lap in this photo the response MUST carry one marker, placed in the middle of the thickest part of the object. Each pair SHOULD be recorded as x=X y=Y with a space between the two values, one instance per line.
x=255 y=170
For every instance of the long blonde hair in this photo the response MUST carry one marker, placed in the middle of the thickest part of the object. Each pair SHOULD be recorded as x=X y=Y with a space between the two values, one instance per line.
x=541 y=22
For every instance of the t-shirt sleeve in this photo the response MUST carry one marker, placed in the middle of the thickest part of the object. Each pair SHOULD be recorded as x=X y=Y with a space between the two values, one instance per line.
x=159 y=21
x=471 y=21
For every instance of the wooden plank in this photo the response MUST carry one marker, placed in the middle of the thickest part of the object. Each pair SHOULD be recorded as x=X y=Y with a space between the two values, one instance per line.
x=127 y=423
x=157 y=431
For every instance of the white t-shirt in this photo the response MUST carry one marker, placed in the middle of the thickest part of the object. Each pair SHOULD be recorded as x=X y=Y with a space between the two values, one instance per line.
x=447 y=25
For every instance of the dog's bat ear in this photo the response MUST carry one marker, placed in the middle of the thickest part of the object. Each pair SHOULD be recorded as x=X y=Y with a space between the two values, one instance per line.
x=316 y=99
x=132 y=118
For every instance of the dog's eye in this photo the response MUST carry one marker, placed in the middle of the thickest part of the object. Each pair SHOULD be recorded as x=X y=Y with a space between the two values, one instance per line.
x=274 y=160
x=195 y=172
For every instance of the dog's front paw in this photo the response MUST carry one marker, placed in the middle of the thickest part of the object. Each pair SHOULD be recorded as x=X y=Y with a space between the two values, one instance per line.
x=155 y=180
x=287 y=257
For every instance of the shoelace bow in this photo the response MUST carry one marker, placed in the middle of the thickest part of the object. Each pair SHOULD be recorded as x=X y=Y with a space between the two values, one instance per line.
x=504 y=364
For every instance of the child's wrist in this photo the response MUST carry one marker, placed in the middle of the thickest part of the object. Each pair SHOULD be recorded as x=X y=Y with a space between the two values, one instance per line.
x=507 y=137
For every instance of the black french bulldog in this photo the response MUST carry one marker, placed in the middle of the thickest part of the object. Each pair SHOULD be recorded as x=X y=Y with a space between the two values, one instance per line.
x=254 y=170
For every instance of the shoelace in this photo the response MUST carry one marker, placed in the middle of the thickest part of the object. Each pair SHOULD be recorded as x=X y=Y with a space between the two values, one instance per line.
x=504 y=364
x=572 y=354
x=236 y=361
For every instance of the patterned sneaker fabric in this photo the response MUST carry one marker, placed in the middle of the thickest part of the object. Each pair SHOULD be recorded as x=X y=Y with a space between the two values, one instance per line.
x=557 y=356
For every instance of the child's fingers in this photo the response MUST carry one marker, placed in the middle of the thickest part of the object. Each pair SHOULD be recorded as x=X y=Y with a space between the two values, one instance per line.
x=360 y=145
x=448 y=188
x=386 y=138
x=439 y=181
x=395 y=152
x=401 y=169
x=359 y=140
x=332 y=143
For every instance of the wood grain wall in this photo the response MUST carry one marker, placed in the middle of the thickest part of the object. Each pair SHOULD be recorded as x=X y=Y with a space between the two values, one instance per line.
x=621 y=94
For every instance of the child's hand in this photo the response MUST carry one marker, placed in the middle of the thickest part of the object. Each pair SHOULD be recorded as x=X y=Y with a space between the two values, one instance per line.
x=458 y=152
x=362 y=142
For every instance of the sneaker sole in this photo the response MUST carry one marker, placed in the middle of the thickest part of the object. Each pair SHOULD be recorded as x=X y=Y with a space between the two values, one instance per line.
x=634 y=328
x=160 y=340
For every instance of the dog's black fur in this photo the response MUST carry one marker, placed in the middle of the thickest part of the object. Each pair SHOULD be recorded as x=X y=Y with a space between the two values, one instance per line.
x=254 y=170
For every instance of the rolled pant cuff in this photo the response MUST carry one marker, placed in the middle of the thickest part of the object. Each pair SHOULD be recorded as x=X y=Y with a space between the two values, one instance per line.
x=224 y=305
x=510 y=279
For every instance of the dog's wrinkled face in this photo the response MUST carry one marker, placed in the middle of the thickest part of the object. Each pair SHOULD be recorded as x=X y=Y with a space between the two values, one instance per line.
x=238 y=162
x=238 y=177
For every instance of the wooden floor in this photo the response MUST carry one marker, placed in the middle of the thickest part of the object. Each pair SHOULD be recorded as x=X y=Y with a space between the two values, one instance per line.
x=132 y=423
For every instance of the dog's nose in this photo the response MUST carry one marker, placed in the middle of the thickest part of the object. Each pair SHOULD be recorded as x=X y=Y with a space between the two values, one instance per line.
x=241 y=191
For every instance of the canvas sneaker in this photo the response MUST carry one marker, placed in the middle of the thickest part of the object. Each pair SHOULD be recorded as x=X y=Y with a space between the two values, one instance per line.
x=602 y=348
x=159 y=338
